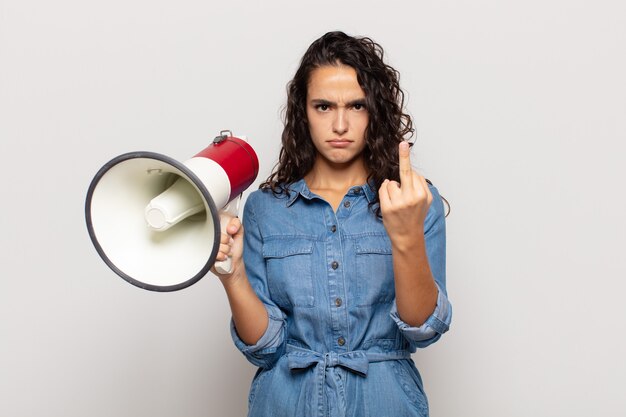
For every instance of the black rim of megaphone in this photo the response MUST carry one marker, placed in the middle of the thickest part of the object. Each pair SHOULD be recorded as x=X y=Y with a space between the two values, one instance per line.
x=194 y=179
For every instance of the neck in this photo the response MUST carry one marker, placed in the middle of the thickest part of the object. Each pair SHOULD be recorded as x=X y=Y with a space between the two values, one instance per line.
x=329 y=176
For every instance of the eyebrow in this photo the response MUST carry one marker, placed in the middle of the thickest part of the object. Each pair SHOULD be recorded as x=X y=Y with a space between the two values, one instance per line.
x=321 y=101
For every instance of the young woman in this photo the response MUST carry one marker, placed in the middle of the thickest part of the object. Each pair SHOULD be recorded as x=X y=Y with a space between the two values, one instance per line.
x=339 y=267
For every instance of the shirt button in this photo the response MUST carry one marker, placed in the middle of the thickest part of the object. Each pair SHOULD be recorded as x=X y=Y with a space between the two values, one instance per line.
x=346 y=204
x=357 y=190
x=333 y=228
x=341 y=341
x=334 y=265
x=338 y=302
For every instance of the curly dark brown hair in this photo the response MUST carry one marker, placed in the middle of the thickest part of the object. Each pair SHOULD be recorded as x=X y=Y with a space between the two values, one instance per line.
x=384 y=101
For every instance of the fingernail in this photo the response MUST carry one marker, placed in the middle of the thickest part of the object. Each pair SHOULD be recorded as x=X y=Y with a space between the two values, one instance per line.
x=404 y=145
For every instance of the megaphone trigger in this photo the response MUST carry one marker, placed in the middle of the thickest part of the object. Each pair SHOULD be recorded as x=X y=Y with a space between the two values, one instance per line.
x=226 y=215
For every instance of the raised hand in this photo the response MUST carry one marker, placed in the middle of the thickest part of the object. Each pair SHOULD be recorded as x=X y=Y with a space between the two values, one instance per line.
x=404 y=205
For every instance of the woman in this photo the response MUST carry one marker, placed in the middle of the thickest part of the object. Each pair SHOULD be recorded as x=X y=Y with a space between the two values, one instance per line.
x=340 y=274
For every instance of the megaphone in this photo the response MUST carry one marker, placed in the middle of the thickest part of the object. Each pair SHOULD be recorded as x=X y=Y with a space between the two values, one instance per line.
x=156 y=221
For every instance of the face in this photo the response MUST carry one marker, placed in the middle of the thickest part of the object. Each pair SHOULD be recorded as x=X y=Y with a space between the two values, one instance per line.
x=336 y=113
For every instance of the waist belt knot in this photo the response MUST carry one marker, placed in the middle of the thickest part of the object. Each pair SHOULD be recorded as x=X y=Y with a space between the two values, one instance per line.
x=356 y=361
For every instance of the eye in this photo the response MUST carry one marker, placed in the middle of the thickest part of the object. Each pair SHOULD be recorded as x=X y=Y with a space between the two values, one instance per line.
x=322 y=107
x=358 y=106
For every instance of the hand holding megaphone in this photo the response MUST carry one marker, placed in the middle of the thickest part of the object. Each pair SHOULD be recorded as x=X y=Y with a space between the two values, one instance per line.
x=230 y=212
x=230 y=254
x=156 y=222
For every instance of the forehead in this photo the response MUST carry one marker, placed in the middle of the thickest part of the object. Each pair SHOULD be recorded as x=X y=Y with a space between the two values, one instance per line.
x=334 y=81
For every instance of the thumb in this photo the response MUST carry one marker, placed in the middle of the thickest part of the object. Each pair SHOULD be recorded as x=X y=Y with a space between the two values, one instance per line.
x=234 y=227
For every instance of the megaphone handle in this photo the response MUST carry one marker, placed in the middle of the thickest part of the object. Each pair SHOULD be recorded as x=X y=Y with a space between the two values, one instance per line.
x=230 y=211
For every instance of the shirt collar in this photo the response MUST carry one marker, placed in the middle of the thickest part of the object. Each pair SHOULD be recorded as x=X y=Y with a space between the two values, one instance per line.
x=368 y=189
x=300 y=189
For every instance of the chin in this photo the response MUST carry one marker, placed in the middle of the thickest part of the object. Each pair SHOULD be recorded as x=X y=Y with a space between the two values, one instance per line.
x=342 y=159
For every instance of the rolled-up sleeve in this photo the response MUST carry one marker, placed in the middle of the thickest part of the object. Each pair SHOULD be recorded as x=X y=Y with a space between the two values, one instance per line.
x=428 y=333
x=439 y=321
x=266 y=351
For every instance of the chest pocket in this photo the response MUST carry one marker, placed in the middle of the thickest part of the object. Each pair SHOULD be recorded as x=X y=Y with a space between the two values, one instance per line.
x=289 y=271
x=374 y=268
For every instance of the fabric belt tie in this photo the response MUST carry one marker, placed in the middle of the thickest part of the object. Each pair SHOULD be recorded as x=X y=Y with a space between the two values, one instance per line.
x=314 y=398
x=356 y=361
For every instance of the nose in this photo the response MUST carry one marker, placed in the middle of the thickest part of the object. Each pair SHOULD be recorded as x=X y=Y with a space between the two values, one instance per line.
x=340 y=122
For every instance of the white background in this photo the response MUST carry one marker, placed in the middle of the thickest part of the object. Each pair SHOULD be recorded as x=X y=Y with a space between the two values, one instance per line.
x=520 y=112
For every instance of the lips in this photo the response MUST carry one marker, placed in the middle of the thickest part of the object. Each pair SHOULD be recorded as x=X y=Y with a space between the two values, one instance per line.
x=339 y=143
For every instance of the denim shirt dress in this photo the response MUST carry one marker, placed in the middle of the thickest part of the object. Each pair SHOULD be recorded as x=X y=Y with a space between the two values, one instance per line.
x=334 y=345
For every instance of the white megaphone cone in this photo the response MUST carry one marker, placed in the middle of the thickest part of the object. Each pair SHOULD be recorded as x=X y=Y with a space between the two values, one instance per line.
x=156 y=222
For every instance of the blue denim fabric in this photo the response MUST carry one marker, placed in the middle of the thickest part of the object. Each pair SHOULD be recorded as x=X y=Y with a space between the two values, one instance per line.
x=335 y=345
